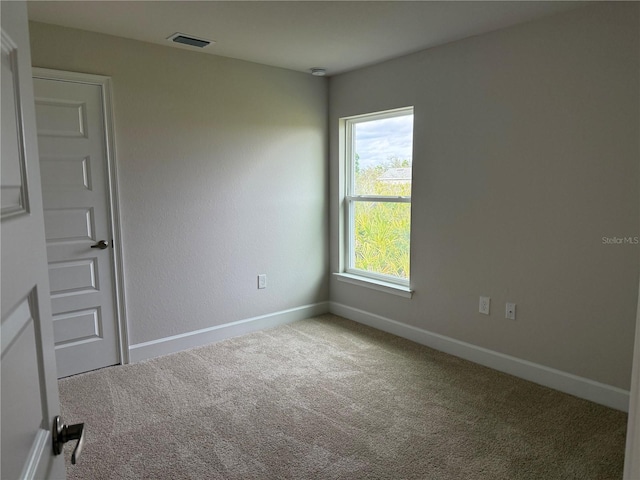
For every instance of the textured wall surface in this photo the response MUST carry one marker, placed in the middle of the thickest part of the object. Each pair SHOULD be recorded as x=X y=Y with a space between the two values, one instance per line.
x=525 y=156
x=222 y=175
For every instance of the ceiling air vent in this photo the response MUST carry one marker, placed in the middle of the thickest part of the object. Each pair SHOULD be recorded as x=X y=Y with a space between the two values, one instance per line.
x=189 y=40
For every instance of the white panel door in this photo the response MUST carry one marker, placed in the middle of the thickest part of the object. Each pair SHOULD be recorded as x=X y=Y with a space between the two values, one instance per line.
x=29 y=387
x=75 y=189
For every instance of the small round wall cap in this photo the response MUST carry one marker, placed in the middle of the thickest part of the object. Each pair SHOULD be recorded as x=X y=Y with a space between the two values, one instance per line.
x=318 y=72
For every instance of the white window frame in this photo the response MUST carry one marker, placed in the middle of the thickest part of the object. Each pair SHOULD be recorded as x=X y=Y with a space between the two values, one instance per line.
x=388 y=283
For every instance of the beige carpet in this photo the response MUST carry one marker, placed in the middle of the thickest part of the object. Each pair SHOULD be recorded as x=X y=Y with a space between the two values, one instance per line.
x=327 y=398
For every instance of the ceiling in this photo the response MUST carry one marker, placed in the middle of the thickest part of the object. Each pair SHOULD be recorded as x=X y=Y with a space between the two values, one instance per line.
x=297 y=35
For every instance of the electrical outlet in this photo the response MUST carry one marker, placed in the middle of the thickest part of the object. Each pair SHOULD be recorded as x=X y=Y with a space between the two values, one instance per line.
x=485 y=305
x=262 y=280
x=510 y=311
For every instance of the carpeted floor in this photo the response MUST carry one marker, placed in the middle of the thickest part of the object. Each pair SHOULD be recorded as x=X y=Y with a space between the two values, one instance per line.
x=327 y=398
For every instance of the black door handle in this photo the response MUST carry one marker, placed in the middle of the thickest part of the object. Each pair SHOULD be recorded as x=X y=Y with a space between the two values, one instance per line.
x=63 y=433
x=102 y=244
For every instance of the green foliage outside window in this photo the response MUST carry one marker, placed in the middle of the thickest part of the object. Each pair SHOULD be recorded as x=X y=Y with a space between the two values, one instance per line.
x=382 y=229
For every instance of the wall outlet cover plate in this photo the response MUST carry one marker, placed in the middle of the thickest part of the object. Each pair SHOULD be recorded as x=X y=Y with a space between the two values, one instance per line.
x=485 y=305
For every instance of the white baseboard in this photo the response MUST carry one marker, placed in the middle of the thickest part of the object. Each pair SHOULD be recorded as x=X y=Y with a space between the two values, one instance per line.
x=565 y=382
x=197 y=338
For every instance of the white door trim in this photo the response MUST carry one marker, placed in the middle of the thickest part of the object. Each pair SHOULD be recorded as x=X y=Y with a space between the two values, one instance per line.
x=632 y=457
x=112 y=178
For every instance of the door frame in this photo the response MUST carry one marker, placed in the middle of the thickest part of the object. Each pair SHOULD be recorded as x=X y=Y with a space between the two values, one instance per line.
x=632 y=458
x=104 y=83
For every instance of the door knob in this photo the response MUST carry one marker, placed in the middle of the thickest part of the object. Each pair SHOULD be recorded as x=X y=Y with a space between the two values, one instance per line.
x=102 y=244
x=63 y=433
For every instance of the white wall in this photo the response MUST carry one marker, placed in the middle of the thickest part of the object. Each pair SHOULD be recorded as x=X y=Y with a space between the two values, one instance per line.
x=525 y=156
x=223 y=175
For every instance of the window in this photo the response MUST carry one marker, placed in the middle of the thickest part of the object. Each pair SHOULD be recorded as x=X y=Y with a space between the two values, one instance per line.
x=378 y=163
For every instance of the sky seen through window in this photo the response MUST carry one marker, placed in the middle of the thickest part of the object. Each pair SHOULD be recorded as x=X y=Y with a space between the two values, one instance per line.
x=379 y=141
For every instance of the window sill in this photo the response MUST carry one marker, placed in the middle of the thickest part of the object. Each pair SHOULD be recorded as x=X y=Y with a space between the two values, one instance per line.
x=379 y=285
